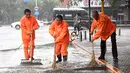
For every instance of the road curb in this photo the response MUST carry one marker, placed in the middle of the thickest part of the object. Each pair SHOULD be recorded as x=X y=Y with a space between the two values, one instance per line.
x=109 y=66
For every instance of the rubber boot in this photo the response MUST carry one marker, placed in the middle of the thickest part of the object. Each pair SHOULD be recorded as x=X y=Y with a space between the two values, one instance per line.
x=64 y=58
x=32 y=58
x=59 y=58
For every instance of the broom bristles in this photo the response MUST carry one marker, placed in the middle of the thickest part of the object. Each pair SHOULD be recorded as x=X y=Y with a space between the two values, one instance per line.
x=54 y=65
x=93 y=62
x=54 y=62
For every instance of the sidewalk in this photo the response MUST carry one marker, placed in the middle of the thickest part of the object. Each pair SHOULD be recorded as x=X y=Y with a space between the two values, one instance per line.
x=123 y=45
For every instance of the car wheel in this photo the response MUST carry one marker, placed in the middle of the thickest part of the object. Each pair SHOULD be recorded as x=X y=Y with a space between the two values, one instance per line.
x=17 y=27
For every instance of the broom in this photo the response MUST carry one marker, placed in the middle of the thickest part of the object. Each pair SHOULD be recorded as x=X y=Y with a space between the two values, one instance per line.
x=31 y=47
x=54 y=59
x=93 y=62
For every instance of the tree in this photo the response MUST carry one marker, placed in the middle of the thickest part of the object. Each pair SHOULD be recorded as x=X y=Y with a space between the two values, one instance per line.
x=46 y=8
x=12 y=10
x=115 y=5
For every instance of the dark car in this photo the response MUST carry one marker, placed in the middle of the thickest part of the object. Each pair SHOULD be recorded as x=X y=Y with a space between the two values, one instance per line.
x=69 y=14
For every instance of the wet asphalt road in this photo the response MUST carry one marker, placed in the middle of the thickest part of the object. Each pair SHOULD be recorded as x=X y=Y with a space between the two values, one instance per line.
x=10 y=59
x=76 y=60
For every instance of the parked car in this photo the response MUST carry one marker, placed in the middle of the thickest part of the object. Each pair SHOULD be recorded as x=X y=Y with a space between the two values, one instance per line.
x=69 y=14
x=17 y=24
x=47 y=22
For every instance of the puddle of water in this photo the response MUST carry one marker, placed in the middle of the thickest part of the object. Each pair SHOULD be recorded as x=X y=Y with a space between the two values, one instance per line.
x=10 y=61
x=45 y=52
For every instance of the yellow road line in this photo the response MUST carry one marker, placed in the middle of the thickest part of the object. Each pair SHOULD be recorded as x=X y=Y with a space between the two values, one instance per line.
x=109 y=66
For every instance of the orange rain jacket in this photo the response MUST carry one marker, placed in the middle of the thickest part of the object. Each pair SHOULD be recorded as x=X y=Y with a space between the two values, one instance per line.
x=105 y=27
x=61 y=34
x=28 y=25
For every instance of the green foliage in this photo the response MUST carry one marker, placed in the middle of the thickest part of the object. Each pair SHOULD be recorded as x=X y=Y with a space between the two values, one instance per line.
x=12 y=10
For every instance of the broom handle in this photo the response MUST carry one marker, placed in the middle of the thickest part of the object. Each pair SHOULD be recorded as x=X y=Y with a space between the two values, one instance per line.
x=92 y=43
x=31 y=42
x=55 y=52
x=31 y=46
x=93 y=48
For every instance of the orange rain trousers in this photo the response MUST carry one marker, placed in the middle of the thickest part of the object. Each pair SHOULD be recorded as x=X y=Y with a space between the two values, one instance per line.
x=61 y=49
x=28 y=25
x=61 y=34
x=105 y=27
x=28 y=49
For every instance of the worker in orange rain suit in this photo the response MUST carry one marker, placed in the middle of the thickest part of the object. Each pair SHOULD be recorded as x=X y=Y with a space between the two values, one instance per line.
x=105 y=29
x=28 y=25
x=59 y=30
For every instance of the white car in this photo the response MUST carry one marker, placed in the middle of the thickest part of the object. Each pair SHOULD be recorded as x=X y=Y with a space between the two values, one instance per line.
x=17 y=24
x=45 y=22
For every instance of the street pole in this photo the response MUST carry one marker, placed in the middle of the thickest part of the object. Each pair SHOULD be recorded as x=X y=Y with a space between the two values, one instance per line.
x=36 y=3
x=89 y=20
x=36 y=7
x=120 y=27
x=102 y=6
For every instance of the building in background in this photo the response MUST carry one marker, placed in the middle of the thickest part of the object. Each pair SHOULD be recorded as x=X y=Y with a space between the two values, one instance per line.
x=64 y=3
x=121 y=14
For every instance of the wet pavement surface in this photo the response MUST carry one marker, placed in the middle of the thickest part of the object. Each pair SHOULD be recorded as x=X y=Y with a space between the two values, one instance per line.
x=10 y=55
x=123 y=44
x=77 y=62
